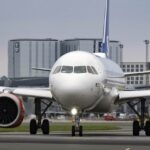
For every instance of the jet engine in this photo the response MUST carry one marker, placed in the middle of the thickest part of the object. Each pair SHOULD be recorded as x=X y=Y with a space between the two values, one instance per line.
x=11 y=110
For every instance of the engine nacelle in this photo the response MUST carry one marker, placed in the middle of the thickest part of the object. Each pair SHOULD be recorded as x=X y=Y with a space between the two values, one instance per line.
x=11 y=110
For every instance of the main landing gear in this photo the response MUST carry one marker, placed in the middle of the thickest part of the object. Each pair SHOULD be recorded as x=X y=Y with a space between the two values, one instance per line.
x=141 y=124
x=77 y=128
x=36 y=124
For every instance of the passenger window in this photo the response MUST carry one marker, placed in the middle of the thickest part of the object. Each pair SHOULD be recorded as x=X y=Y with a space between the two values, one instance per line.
x=57 y=70
x=79 y=69
x=90 y=70
x=95 y=72
x=67 y=69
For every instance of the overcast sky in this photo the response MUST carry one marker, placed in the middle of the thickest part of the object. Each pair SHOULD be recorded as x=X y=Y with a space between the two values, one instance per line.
x=62 y=19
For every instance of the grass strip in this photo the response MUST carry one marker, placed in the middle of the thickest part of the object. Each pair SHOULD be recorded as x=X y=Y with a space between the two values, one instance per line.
x=66 y=127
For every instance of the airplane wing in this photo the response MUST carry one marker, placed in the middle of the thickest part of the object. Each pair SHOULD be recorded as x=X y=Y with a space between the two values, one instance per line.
x=136 y=73
x=31 y=92
x=13 y=114
x=125 y=96
x=41 y=69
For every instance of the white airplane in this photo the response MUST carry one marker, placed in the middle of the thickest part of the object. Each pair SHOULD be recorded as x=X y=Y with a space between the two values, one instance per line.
x=79 y=81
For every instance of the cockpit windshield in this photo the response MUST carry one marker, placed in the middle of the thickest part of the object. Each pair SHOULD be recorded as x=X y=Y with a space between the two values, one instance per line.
x=67 y=69
x=95 y=72
x=79 y=69
x=57 y=70
x=90 y=70
x=75 y=69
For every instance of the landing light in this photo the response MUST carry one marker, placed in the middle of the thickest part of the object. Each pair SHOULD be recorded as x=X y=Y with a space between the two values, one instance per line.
x=74 y=111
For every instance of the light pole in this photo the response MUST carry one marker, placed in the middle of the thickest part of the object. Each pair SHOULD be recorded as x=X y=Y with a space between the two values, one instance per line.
x=147 y=54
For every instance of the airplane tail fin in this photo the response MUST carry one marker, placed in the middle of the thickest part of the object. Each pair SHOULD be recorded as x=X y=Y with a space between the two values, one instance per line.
x=105 y=40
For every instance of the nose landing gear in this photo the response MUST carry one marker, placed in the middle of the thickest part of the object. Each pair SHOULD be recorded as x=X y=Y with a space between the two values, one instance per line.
x=77 y=127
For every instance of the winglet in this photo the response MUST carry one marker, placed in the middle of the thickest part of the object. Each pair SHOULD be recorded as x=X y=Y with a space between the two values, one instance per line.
x=105 y=41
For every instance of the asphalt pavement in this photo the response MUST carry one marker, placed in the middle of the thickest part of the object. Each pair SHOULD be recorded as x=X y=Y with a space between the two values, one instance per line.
x=90 y=141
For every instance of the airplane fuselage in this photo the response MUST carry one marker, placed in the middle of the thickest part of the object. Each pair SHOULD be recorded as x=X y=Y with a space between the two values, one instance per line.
x=86 y=81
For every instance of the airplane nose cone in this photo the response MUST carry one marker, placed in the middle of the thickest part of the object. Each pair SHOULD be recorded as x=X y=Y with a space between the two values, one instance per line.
x=76 y=94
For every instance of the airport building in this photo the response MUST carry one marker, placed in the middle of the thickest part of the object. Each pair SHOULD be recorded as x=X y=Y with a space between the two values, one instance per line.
x=23 y=54
x=93 y=46
x=136 y=81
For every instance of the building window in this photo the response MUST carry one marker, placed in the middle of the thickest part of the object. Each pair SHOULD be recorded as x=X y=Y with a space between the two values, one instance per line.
x=136 y=82
x=141 y=70
x=123 y=66
x=124 y=70
x=132 y=82
x=141 y=82
x=137 y=66
x=128 y=82
x=148 y=65
x=132 y=70
x=128 y=78
x=141 y=66
x=132 y=66
x=137 y=70
x=128 y=66
x=132 y=78
x=137 y=78
x=141 y=78
x=128 y=70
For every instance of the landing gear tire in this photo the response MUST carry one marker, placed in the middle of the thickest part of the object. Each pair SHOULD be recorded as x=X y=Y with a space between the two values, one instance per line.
x=136 y=128
x=33 y=126
x=147 y=128
x=80 y=131
x=45 y=126
x=73 y=130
